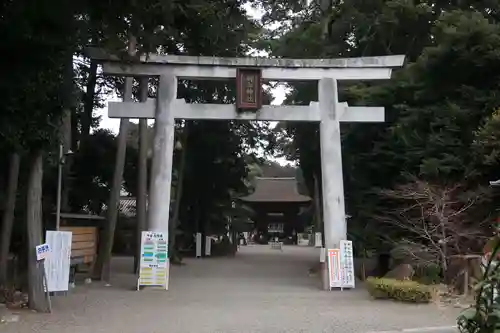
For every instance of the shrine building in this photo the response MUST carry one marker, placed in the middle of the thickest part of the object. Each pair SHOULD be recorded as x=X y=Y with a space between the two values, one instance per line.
x=277 y=205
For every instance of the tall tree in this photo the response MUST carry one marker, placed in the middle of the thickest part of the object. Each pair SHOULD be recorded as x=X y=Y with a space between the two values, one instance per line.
x=8 y=216
x=103 y=262
x=32 y=107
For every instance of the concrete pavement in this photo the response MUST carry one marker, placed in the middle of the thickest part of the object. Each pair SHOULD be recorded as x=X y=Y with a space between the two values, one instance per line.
x=260 y=290
x=430 y=329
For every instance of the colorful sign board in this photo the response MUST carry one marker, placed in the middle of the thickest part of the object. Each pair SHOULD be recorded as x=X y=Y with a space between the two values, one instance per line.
x=334 y=268
x=341 y=266
x=154 y=265
x=57 y=265
x=42 y=251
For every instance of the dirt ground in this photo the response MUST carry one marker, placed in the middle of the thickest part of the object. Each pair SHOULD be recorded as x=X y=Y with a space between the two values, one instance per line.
x=259 y=290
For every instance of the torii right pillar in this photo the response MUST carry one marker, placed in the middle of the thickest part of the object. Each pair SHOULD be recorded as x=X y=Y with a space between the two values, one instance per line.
x=334 y=219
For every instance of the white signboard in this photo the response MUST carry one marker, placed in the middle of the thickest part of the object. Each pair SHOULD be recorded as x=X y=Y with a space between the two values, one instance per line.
x=318 y=239
x=322 y=255
x=154 y=264
x=341 y=266
x=276 y=227
x=208 y=246
x=58 y=263
x=347 y=264
x=42 y=251
x=198 y=245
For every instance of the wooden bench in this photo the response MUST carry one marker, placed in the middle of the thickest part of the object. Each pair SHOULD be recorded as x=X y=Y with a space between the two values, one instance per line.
x=83 y=248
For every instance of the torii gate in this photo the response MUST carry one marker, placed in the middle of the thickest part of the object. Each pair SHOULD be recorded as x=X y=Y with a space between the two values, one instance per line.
x=327 y=111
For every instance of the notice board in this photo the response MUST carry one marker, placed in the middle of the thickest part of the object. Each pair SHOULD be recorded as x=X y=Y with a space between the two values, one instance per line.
x=341 y=266
x=58 y=262
x=154 y=265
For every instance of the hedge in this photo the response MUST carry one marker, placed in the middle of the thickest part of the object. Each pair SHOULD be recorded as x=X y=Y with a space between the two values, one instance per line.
x=404 y=291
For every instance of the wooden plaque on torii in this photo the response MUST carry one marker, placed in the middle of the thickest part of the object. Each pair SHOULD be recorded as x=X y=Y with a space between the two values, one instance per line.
x=248 y=89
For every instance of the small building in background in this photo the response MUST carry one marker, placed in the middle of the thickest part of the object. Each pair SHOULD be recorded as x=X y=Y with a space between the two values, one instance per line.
x=277 y=205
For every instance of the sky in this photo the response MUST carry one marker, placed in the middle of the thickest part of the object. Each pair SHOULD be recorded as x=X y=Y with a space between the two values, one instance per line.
x=278 y=93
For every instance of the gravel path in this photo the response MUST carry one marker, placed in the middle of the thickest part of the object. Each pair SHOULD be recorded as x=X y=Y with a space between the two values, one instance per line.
x=260 y=290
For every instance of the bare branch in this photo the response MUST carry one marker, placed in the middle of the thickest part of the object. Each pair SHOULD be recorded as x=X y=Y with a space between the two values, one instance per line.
x=435 y=217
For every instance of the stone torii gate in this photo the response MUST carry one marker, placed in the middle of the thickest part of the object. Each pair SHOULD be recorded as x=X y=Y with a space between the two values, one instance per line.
x=328 y=111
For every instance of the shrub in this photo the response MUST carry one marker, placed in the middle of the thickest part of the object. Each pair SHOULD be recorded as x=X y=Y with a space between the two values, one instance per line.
x=404 y=291
x=428 y=274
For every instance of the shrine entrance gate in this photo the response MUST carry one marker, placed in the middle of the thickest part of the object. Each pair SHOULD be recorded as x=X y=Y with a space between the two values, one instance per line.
x=328 y=111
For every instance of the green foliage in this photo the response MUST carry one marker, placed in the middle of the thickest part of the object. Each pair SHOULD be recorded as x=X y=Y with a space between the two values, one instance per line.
x=484 y=316
x=404 y=291
x=440 y=122
x=428 y=274
x=49 y=34
x=32 y=71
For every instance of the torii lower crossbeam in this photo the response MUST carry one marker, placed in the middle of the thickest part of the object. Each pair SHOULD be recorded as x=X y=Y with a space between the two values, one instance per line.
x=183 y=110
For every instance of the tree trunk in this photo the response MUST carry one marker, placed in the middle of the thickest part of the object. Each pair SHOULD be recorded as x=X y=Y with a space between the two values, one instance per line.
x=444 y=246
x=8 y=216
x=88 y=108
x=143 y=177
x=325 y=5
x=37 y=299
x=178 y=197
x=103 y=262
x=66 y=167
x=66 y=129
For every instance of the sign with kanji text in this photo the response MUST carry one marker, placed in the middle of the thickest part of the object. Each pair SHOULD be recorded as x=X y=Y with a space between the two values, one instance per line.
x=341 y=266
x=347 y=264
x=57 y=265
x=154 y=265
x=334 y=268
x=42 y=251
x=248 y=89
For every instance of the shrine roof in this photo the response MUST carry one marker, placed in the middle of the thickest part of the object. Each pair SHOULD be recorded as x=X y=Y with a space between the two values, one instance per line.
x=276 y=190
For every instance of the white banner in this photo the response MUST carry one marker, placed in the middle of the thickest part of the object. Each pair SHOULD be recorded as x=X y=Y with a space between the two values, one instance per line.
x=57 y=264
x=208 y=246
x=347 y=264
x=198 y=245
x=322 y=255
x=318 y=239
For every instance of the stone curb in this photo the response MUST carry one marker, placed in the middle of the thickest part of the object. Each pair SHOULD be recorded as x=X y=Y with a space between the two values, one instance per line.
x=437 y=329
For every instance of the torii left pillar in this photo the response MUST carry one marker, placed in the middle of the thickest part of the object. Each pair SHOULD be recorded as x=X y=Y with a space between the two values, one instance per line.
x=161 y=169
